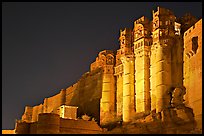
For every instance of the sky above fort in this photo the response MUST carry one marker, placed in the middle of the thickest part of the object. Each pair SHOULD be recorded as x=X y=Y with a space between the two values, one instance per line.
x=48 y=46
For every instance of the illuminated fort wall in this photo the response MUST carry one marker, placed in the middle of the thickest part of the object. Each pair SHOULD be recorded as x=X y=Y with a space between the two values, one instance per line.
x=141 y=43
x=50 y=123
x=49 y=105
x=193 y=69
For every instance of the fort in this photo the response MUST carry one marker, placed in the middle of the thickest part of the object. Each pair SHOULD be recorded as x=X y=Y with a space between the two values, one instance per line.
x=155 y=77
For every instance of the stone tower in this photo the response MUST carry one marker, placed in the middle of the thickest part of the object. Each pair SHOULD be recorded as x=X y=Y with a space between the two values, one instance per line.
x=142 y=41
x=163 y=32
x=124 y=72
x=105 y=60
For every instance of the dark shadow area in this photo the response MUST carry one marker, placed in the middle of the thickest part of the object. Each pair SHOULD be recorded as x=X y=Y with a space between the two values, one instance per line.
x=88 y=94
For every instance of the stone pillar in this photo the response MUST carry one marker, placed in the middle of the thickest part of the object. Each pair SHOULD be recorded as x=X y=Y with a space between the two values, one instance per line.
x=119 y=95
x=153 y=78
x=107 y=104
x=160 y=76
x=128 y=87
x=142 y=84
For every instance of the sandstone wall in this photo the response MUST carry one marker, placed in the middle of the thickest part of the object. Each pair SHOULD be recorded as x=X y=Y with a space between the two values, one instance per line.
x=87 y=94
x=69 y=93
x=22 y=128
x=36 y=110
x=52 y=103
x=49 y=105
x=68 y=126
x=177 y=62
x=49 y=123
x=193 y=69
x=33 y=128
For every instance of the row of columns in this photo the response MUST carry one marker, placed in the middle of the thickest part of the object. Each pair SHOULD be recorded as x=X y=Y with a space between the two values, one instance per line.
x=137 y=90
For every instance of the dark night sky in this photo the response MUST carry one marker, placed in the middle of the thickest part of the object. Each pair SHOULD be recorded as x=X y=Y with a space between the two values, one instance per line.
x=48 y=46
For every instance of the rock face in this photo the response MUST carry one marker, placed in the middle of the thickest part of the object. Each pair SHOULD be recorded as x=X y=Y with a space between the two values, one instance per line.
x=154 y=81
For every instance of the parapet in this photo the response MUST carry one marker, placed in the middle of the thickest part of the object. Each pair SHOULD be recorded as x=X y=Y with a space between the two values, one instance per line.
x=125 y=32
x=141 y=20
x=162 y=11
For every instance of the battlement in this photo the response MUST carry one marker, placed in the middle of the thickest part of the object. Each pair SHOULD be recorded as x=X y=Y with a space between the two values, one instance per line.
x=142 y=20
x=125 y=31
x=162 y=11
x=191 y=39
x=196 y=25
x=125 y=37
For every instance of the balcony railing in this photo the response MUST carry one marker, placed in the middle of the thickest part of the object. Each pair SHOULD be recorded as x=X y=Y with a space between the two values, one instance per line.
x=118 y=69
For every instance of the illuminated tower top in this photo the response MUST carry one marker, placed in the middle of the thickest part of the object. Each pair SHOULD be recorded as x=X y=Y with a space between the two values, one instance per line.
x=125 y=41
x=141 y=28
x=163 y=24
x=125 y=38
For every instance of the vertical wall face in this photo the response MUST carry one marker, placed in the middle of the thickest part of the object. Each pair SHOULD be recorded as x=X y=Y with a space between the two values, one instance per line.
x=52 y=103
x=69 y=93
x=163 y=33
x=128 y=87
x=193 y=70
x=177 y=62
x=142 y=42
x=48 y=123
x=22 y=128
x=36 y=111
